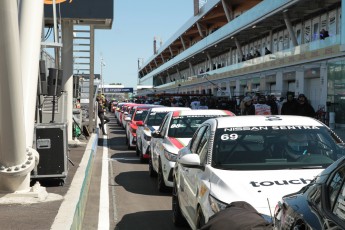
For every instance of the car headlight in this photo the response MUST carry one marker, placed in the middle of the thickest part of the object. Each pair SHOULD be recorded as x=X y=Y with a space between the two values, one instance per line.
x=216 y=205
x=170 y=156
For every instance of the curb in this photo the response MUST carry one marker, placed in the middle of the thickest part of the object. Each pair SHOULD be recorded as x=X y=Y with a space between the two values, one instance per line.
x=71 y=211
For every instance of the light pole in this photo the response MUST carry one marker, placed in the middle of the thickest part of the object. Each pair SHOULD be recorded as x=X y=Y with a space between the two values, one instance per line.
x=140 y=63
x=102 y=82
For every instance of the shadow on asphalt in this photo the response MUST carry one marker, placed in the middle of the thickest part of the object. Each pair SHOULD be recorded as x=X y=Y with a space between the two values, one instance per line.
x=150 y=220
x=139 y=182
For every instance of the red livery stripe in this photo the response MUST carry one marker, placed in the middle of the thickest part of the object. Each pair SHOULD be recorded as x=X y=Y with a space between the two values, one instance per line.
x=176 y=142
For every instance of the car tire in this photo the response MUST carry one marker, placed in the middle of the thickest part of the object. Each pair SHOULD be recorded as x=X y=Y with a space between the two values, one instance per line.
x=137 y=150
x=161 y=185
x=178 y=218
x=200 y=219
x=152 y=172
x=141 y=155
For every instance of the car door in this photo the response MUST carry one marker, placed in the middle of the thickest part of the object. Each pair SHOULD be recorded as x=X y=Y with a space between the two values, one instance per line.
x=192 y=176
x=157 y=143
x=335 y=195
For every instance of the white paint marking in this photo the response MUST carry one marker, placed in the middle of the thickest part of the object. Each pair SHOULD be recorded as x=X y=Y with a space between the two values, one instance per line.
x=124 y=159
x=103 y=217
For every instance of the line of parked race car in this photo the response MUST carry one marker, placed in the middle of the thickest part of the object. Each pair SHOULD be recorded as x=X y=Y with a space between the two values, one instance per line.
x=291 y=169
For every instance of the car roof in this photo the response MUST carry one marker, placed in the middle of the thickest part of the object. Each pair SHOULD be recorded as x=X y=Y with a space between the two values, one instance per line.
x=261 y=120
x=146 y=106
x=168 y=109
x=202 y=112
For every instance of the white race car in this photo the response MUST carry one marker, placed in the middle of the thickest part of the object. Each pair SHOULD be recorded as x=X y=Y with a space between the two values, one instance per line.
x=257 y=159
x=175 y=132
x=152 y=122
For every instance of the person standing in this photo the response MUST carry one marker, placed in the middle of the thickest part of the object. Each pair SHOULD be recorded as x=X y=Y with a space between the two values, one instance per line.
x=303 y=107
x=249 y=108
x=104 y=119
x=290 y=106
x=261 y=108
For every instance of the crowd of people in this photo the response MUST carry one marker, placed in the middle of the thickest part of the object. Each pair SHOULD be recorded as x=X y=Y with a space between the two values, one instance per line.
x=269 y=105
x=254 y=104
x=245 y=105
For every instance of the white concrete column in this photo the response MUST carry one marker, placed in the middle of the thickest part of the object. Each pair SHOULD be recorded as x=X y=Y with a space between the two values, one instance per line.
x=67 y=67
x=323 y=84
x=228 y=90
x=279 y=82
x=30 y=29
x=299 y=82
x=238 y=87
x=342 y=24
x=12 y=126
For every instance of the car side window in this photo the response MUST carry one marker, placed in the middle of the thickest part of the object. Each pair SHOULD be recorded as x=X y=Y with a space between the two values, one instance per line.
x=164 y=127
x=196 y=139
x=336 y=192
x=203 y=146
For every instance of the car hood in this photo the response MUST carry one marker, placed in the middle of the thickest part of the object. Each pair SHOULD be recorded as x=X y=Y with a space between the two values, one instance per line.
x=259 y=188
x=177 y=143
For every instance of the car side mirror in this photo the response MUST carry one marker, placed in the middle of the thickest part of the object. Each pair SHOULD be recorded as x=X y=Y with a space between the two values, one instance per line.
x=139 y=123
x=125 y=113
x=190 y=160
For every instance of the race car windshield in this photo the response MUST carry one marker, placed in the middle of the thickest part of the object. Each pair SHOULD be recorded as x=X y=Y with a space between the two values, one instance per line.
x=274 y=148
x=185 y=126
x=156 y=118
x=140 y=115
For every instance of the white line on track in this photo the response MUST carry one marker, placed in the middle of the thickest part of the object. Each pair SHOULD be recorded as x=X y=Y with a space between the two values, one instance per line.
x=124 y=159
x=103 y=217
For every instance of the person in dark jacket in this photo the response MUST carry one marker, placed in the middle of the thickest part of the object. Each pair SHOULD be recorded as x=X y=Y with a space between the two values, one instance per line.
x=238 y=215
x=290 y=106
x=103 y=118
x=303 y=107
x=249 y=108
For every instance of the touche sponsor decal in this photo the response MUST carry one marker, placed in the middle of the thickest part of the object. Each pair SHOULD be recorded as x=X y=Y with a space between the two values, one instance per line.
x=280 y=182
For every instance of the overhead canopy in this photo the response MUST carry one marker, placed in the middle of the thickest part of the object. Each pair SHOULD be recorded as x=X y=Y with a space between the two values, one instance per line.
x=83 y=12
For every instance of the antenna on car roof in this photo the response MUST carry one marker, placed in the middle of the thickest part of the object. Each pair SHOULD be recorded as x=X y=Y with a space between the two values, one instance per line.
x=269 y=207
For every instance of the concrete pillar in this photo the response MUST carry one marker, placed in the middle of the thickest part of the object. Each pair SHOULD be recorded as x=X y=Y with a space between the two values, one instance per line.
x=191 y=69
x=323 y=84
x=300 y=81
x=290 y=29
x=92 y=109
x=13 y=155
x=183 y=43
x=342 y=24
x=279 y=83
x=200 y=30
x=226 y=10
x=171 y=52
x=67 y=67
x=239 y=48
x=30 y=29
x=238 y=87
x=228 y=90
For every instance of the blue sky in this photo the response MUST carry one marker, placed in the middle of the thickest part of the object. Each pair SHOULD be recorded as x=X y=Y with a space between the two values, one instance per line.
x=136 y=23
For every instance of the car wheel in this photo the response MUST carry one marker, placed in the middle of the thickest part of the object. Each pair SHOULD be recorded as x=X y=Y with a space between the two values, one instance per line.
x=200 y=219
x=141 y=156
x=161 y=185
x=152 y=172
x=137 y=150
x=178 y=218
